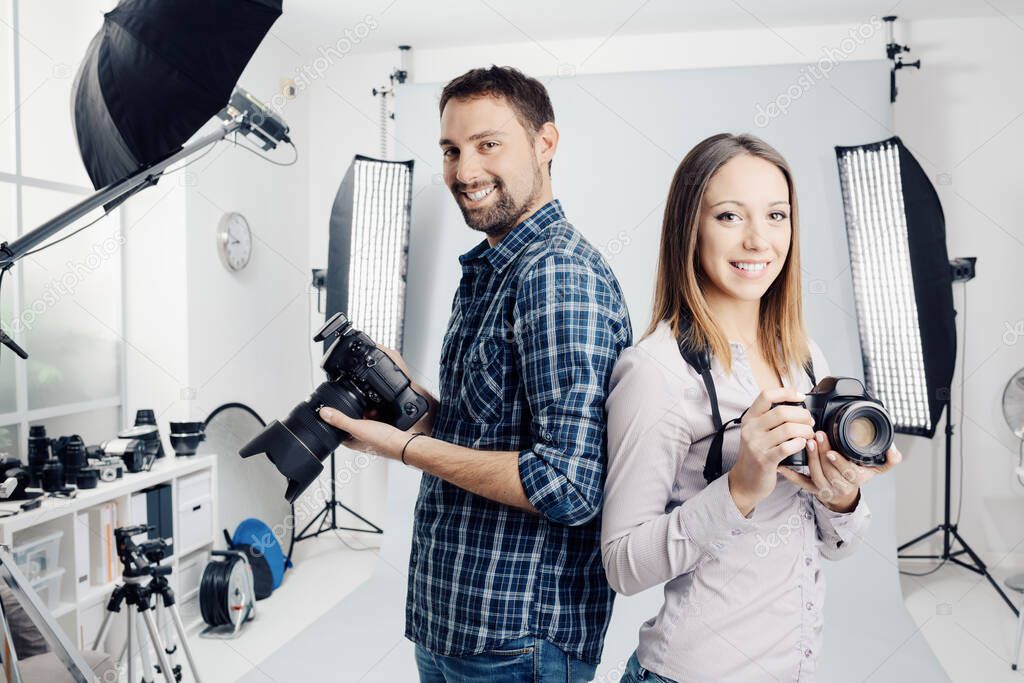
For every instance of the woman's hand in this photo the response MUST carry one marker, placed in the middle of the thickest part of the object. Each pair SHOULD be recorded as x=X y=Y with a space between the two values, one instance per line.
x=834 y=480
x=767 y=437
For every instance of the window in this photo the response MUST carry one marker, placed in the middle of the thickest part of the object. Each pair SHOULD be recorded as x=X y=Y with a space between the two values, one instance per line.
x=64 y=304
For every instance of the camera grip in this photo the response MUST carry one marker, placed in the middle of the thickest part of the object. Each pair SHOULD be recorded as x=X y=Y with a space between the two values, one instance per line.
x=797 y=459
x=409 y=408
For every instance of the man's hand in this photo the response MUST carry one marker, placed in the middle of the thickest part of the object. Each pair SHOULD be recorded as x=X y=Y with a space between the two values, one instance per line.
x=426 y=423
x=834 y=480
x=368 y=436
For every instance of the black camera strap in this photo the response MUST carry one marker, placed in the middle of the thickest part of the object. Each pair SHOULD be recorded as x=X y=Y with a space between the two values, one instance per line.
x=700 y=360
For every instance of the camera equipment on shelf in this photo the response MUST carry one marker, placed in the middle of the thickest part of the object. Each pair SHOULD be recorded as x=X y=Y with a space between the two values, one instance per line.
x=11 y=469
x=53 y=476
x=110 y=468
x=38 y=453
x=88 y=478
x=145 y=417
x=359 y=375
x=185 y=437
x=71 y=452
x=227 y=594
x=857 y=424
x=145 y=578
x=132 y=452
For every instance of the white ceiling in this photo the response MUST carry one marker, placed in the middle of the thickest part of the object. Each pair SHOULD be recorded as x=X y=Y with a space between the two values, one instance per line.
x=308 y=24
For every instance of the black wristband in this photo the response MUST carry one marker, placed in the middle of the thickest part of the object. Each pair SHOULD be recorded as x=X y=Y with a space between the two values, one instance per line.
x=407 y=445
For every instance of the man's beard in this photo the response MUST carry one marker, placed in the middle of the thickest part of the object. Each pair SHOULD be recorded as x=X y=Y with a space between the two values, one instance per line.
x=504 y=214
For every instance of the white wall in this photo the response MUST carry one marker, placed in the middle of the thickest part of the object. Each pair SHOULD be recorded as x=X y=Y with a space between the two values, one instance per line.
x=957 y=114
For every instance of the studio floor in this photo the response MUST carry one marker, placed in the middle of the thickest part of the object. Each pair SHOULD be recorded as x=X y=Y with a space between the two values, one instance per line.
x=964 y=621
x=969 y=627
x=326 y=570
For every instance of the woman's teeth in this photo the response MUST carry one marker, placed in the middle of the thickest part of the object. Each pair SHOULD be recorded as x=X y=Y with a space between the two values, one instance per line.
x=479 y=194
x=749 y=267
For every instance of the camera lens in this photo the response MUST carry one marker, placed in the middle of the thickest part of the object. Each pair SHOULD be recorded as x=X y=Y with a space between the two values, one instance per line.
x=298 y=446
x=863 y=432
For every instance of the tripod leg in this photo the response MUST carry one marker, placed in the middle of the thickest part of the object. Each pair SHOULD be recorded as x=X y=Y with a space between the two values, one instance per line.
x=143 y=648
x=180 y=628
x=128 y=645
x=167 y=636
x=124 y=652
x=101 y=636
x=154 y=637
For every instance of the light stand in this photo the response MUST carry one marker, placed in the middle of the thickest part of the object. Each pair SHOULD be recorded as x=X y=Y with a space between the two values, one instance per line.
x=13 y=251
x=950 y=534
x=243 y=113
x=962 y=270
x=328 y=515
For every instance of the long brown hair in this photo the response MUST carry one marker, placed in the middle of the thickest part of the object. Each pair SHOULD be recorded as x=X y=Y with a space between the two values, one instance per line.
x=679 y=290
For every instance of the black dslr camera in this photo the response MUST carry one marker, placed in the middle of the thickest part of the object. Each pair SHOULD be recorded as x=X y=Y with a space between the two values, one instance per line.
x=360 y=376
x=857 y=424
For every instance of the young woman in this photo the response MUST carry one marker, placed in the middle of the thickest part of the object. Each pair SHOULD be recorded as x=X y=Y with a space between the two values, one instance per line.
x=740 y=554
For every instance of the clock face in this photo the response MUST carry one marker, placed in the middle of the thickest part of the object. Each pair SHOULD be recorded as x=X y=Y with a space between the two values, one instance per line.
x=234 y=241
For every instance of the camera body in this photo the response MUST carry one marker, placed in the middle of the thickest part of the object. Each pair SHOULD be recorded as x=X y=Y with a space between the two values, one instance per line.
x=111 y=468
x=13 y=468
x=133 y=453
x=857 y=424
x=356 y=366
x=359 y=377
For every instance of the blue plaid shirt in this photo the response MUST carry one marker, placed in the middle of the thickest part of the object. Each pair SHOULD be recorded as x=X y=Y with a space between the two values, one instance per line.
x=536 y=326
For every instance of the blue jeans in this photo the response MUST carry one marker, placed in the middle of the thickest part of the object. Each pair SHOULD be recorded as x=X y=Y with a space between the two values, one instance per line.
x=523 y=660
x=635 y=673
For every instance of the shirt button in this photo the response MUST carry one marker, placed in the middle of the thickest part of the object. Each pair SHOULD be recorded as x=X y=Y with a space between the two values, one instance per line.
x=807 y=514
x=808 y=561
x=736 y=532
x=810 y=605
x=808 y=653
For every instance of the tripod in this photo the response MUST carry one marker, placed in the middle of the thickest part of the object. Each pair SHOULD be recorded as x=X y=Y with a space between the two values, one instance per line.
x=950 y=535
x=142 y=562
x=328 y=515
x=139 y=594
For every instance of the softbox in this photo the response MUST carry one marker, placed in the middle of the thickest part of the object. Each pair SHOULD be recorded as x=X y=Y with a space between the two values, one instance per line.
x=369 y=245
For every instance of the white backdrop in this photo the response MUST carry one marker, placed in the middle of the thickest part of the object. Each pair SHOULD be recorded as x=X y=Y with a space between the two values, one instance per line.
x=622 y=136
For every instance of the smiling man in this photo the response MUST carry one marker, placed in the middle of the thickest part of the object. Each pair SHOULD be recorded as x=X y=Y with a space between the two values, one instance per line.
x=505 y=575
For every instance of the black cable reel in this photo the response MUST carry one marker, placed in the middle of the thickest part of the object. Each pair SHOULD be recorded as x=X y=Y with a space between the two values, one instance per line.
x=227 y=594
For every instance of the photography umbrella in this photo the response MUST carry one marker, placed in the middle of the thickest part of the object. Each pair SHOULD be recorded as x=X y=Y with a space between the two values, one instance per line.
x=155 y=73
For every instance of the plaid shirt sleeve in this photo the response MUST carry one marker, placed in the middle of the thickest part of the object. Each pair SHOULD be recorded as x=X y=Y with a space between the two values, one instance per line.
x=565 y=331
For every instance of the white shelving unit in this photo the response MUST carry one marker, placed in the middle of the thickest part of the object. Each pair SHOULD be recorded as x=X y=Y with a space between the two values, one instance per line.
x=83 y=604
